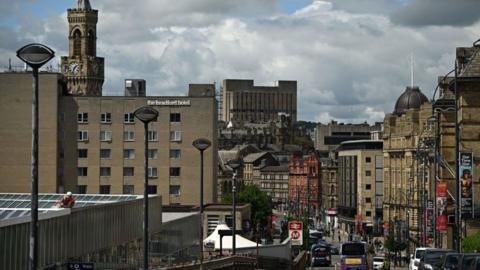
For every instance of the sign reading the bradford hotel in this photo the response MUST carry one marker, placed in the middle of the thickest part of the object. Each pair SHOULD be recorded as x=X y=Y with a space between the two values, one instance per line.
x=168 y=102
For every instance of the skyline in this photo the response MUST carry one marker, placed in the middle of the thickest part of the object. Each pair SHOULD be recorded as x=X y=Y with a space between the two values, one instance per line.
x=351 y=60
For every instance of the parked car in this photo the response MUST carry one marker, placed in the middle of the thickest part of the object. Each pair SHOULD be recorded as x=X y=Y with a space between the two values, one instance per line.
x=378 y=262
x=432 y=259
x=450 y=261
x=321 y=255
x=415 y=258
x=474 y=265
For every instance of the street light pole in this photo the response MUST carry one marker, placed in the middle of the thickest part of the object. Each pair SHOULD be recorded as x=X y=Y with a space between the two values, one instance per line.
x=146 y=114
x=458 y=206
x=234 y=165
x=35 y=55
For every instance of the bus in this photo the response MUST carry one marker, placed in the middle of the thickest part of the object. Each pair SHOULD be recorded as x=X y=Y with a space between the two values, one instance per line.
x=353 y=256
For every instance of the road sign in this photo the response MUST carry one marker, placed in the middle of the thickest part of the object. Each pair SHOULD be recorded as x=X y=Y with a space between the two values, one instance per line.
x=295 y=230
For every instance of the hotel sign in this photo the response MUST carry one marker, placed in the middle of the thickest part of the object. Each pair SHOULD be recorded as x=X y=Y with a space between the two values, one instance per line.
x=168 y=102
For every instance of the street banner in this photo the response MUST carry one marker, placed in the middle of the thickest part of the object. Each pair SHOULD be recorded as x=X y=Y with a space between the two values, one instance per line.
x=442 y=220
x=466 y=187
x=429 y=222
x=295 y=230
x=386 y=229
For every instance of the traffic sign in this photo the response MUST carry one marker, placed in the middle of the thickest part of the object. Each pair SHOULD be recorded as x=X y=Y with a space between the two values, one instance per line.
x=295 y=230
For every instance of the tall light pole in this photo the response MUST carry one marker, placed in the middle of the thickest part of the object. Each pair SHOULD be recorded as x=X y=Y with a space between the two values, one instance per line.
x=34 y=55
x=146 y=114
x=201 y=144
x=234 y=165
x=458 y=206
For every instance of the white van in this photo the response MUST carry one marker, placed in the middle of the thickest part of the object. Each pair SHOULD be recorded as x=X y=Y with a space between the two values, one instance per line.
x=415 y=258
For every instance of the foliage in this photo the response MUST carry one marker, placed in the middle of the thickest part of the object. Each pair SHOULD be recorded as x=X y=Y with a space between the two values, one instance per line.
x=261 y=203
x=391 y=244
x=471 y=243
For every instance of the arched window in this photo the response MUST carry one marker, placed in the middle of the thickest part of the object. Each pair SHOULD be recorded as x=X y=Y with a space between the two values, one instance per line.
x=91 y=43
x=77 y=42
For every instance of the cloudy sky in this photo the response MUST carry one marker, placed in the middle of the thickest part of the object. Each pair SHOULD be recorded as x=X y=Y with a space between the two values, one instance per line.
x=351 y=58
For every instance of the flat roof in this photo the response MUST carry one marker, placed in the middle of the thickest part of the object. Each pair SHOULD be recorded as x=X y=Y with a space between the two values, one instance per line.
x=14 y=205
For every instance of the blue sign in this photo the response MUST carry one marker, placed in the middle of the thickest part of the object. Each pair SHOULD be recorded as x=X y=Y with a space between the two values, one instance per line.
x=80 y=266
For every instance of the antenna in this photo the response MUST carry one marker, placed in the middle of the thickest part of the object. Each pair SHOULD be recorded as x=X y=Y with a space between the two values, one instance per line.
x=412 y=77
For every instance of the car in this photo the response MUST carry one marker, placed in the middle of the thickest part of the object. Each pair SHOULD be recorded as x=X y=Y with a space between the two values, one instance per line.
x=334 y=250
x=458 y=261
x=432 y=258
x=474 y=265
x=415 y=258
x=321 y=255
x=378 y=262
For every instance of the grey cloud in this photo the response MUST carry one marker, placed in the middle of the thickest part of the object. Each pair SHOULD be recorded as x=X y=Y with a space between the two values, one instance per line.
x=417 y=13
x=366 y=6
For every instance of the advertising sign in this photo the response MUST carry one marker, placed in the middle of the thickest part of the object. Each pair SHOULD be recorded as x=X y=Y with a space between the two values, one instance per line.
x=295 y=230
x=429 y=221
x=466 y=188
x=442 y=220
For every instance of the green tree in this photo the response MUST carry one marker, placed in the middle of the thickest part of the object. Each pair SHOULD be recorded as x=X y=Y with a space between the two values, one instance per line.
x=471 y=243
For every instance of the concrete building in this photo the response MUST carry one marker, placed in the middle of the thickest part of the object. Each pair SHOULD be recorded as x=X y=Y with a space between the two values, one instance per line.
x=245 y=102
x=360 y=186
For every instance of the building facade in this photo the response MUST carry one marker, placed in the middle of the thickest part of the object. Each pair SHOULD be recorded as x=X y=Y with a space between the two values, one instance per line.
x=329 y=190
x=274 y=181
x=245 y=102
x=360 y=186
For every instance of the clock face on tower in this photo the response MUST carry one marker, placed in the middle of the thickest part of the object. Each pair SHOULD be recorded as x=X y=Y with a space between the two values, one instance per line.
x=74 y=68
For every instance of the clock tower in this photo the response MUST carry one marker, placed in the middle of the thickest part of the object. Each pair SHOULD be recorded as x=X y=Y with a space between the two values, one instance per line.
x=83 y=70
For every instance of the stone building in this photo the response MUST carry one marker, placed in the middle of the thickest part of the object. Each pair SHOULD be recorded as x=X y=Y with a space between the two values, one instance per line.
x=329 y=190
x=253 y=163
x=274 y=181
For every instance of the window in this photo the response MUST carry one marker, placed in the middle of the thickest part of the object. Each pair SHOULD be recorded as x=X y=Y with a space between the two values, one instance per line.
x=128 y=189
x=129 y=118
x=368 y=159
x=152 y=172
x=368 y=200
x=175 y=171
x=175 y=136
x=368 y=213
x=105 y=171
x=152 y=135
x=175 y=190
x=175 y=153
x=368 y=187
x=128 y=171
x=128 y=153
x=82 y=171
x=368 y=173
x=105 y=136
x=105 y=153
x=82 y=189
x=175 y=117
x=152 y=153
x=106 y=118
x=82 y=117
x=82 y=153
x=104 y=189
x=152 y=189
x=82 y=136
x=128 y=136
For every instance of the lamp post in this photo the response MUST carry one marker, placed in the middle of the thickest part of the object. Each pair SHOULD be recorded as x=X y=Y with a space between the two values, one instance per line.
x=35 y=55
x=201 y=144
x=234 y=165
x=146 y=114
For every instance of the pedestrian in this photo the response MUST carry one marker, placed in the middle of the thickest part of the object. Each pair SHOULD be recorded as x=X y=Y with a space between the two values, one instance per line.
x=67 y=201
x=339 y=237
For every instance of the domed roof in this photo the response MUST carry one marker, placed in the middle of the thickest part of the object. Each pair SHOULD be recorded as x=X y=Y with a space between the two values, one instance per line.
x=411 y=98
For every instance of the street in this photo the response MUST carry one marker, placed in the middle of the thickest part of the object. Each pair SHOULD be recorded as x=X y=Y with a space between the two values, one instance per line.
x=335 y=259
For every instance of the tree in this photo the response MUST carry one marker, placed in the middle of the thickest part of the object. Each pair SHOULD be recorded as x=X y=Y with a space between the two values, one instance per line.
x=471 y=243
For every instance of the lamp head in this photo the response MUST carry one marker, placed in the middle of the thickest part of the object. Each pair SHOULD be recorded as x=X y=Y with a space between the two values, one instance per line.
x=201 y=144
x=35 y=54
x=146 y=114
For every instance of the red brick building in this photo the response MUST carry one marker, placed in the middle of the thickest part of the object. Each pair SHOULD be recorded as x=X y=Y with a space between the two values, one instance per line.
x=304 y=190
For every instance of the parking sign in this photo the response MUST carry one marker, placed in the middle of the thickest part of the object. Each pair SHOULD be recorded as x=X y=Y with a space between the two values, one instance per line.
x=295 y=230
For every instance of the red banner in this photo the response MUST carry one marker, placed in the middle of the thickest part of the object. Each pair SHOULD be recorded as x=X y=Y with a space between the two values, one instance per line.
x=442 y=220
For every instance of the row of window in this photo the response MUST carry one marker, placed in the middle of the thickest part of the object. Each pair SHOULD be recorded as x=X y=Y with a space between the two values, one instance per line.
x=129 y=118
x=129 y=189
x=128 y=136
x=129 y=153
x=128 y=171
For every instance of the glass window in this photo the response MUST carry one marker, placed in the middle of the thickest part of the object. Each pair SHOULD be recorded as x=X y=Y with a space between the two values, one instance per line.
x=152 y=153
x=128 y=153
x=175 y=153
x=368 y=187
x=129 y=118
x=128 y=189
x=152 y=135
x=368 y=213
x=174 y=171
x=175 y=117
x=81 y=189
x=128 y=171
x=152 y=172
x=82 y=153
x=82 y=171
x=82 y=117
x=368 y=173
x=82 y=135
x=106 y=118
x=368 y=159
x=104 y=189
x=175 y=136
x=175 y=190
x=105 y=136
x=105 y=171
x=368 y=200
x=105 y=153
x=152 y=189
x=128 y=136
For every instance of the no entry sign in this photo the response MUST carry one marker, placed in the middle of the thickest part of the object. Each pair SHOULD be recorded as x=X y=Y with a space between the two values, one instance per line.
x=295 y=230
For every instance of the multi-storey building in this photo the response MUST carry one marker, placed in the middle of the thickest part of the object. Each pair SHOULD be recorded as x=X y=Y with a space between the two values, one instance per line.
x=274 y=181
x=304 y=191
x=360 y=186
x=244 y=102
x=253 y=163
x=329 y=190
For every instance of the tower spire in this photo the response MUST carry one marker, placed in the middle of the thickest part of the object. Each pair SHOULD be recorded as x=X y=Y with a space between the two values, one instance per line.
x=412 y=76
x=84 y=4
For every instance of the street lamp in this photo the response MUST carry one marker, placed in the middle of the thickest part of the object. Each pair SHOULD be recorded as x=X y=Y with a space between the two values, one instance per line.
x=234 y=164
x=201 y=144
x=146 y=114
x=35 y=55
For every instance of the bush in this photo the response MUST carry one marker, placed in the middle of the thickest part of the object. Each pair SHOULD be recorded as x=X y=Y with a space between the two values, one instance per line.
x=471 y=243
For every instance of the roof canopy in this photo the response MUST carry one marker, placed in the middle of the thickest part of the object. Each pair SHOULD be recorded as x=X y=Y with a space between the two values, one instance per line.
x=240 y=242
